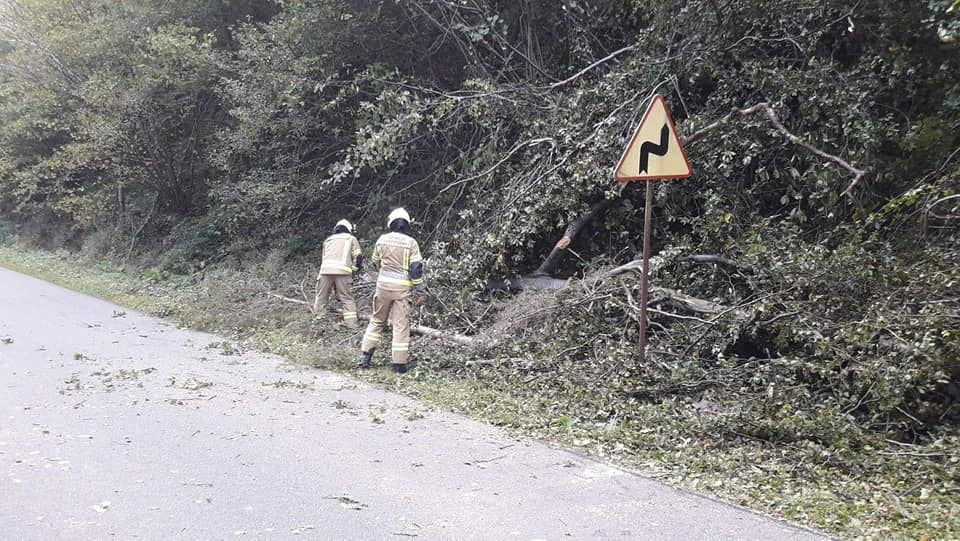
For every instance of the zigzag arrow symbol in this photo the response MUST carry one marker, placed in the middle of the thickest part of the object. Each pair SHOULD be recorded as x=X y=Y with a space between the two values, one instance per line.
x=649 y=148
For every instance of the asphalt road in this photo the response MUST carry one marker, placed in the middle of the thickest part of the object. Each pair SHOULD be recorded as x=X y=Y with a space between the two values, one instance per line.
x=116 y=425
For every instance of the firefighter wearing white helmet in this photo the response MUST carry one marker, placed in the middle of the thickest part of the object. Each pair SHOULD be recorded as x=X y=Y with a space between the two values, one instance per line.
x=341 y=259
x=399 y=281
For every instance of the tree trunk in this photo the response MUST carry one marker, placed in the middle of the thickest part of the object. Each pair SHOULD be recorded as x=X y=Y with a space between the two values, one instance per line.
x=549 y=265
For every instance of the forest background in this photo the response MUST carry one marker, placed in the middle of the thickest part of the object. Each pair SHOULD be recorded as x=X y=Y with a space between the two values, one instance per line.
x=804 y=354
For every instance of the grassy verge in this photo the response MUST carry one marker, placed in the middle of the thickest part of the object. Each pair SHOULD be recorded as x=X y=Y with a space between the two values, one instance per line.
x=879 y=491
x=101 y=280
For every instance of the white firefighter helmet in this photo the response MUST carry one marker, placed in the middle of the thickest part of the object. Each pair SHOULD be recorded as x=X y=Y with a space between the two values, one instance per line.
x=398 y=214
x=346 y=224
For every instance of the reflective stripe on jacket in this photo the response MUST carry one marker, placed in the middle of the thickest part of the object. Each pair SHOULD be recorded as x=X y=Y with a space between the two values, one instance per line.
x=339 y=253
x=394 y=253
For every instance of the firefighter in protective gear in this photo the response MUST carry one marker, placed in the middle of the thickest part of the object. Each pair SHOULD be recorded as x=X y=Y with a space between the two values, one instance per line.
x=400 y=281
x=341 y=259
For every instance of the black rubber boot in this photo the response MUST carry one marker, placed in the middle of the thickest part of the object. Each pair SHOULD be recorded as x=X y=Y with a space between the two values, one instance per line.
x=399 y=368
x=365 y=360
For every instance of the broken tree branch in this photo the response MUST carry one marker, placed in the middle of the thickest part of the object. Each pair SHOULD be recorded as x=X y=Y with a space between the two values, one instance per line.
x=447 y=336
x=928 y=212
x=663 y=295
x=634 y=266
x=288 y=299
x=658 y=295
x=550 y=263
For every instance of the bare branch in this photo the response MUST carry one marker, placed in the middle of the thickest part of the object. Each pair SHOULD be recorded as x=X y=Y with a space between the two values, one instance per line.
x=634 y=266
x=927 y=213
x=709 y=258
x=514 y=150
x=447 y=336
x=136 y=235
x=603 y=60
x=288 y=299
x=772 y=115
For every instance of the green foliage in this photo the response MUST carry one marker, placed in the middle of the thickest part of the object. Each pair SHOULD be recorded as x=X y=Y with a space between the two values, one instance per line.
x=7 y=232
x=193 y=245
x=107 y=107
x=206 y=133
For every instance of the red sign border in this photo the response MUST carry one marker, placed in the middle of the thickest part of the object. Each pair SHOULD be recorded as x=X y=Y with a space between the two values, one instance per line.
x=633 y=141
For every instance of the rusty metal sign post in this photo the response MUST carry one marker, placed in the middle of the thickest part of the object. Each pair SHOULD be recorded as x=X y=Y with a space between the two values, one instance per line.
x=654 y=153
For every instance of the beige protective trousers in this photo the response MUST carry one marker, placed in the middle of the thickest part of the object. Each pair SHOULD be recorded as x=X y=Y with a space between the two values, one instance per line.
x=342 y=283
x=394 y=306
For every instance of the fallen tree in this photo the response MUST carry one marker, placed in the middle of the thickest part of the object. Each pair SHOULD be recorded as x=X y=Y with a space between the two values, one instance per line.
x=553 y=259
x=658 y=295
x=416 y=329
x=549 y=264
x=368 y=279
x=682 y=306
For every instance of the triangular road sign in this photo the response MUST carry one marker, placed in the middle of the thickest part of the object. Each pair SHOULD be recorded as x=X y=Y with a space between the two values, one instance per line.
x=654 y=151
